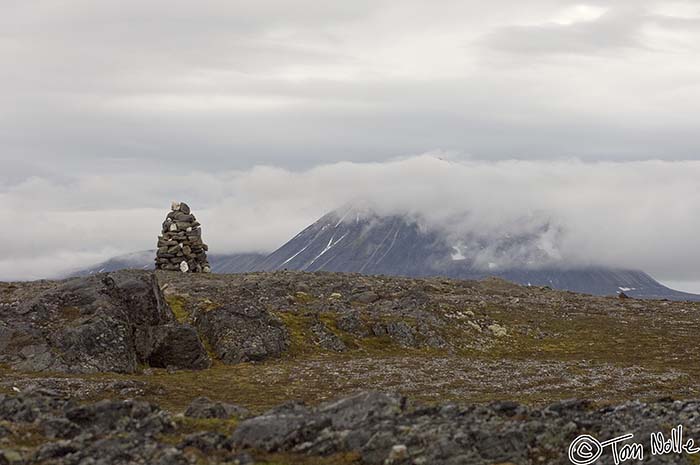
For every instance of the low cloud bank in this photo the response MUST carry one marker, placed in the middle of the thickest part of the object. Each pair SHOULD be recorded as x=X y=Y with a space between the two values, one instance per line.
x=643 y=215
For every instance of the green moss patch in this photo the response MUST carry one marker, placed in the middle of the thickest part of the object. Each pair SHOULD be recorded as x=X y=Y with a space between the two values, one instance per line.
x=177 y=304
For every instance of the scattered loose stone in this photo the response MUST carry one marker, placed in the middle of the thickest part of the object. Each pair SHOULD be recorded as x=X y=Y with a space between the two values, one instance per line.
x=497 y=330
x=10 y=457
x=398 y=453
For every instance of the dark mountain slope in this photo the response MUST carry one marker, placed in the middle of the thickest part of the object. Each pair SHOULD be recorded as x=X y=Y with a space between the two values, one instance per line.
x=389 y=245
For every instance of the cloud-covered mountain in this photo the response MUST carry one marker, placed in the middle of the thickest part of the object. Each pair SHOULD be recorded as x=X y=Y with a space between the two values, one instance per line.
x=361 y=241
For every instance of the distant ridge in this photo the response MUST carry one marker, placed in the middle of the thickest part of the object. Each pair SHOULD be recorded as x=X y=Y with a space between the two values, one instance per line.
x=220 y=263
x=352 y=240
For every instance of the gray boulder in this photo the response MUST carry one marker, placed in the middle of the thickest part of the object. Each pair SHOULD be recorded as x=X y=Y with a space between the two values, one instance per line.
x=59 y=428
x=203 y=407
x=351 y=323
x=279 y=429
x=332 y=427
x=326 y=339
x=242 y=333
x=206 y=441
x=402 y=332
x=97 y=324
x=353 y=411
x=109 y=416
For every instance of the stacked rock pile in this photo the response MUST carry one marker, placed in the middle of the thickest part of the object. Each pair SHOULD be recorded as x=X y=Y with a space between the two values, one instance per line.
x=180 y=247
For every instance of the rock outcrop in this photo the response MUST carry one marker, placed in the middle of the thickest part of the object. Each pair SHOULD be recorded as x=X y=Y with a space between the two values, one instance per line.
x=240 y=332
x=107 y=322
x=452 y=347
x=385 y=429
x=106 y=432
x=180 y=247
x=370 y=428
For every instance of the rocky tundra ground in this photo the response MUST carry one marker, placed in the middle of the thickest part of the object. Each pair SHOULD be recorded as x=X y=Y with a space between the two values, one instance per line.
x=325 y=368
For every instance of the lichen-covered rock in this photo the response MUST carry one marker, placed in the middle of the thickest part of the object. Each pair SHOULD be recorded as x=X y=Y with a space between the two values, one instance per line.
x=352 y=411
x=351 y=323
x=402 y=332
x=242 y=333
x=203 y=407
x=120 y=416
x=207 y=442
x=280 y=429
x=384 y=429
x=125 y=448
x=327 y=339
x=102 y=343
x=376 y=428
x=497 y=330
x=105 y=432
x=91 y=324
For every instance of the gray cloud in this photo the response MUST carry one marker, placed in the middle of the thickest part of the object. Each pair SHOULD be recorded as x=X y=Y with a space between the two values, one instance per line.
x=109 y=111
x=226 y=85
x=611 y=32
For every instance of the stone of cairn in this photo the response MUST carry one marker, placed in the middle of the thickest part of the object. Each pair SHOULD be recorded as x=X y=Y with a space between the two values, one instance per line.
x=180 y=247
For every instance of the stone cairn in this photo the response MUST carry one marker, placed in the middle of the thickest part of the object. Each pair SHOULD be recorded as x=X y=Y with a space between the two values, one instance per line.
x=180 y=247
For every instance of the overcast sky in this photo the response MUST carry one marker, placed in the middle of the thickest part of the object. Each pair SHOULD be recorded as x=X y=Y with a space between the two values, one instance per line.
x=108 y=110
